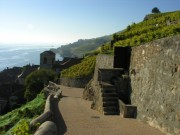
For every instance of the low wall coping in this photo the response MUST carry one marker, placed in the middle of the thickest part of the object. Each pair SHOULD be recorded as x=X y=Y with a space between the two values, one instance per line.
x=47 y=128
x=127 y=110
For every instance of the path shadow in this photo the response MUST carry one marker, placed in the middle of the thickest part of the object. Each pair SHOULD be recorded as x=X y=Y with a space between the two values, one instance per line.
x=64 y=96
x=58 y=119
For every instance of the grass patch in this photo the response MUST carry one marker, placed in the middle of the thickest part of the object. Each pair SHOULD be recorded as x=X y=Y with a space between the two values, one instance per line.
x=27 y=112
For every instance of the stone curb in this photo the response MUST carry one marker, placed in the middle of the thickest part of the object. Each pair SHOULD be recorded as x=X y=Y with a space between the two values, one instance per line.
x=47 y=128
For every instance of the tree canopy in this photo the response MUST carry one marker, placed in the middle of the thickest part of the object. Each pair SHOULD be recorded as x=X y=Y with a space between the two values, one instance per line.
x=156 y=10
x=35 y=81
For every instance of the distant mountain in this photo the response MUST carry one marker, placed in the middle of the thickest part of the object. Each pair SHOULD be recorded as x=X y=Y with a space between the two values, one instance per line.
x=82 y=46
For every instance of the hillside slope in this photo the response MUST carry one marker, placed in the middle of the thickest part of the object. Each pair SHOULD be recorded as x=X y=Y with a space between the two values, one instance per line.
x=83 y=69
x=20 y=116
x=154 y=26
x=82 y=46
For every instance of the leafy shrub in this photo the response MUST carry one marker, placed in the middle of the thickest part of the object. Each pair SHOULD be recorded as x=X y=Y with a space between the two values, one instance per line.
x=106 y=48
x=83 y=69
x=35 y=81
x=22 y=128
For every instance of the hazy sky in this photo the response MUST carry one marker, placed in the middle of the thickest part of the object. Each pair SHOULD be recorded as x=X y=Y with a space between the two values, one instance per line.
x=65 y=21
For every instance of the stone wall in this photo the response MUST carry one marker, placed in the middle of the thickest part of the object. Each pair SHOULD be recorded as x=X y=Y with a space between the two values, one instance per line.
x=47 y=126
x=104 y=72
x=46 y=115
x=92 y=90
x=103 y=62
x=75 y=82
x=108 y=75
x=155 y=82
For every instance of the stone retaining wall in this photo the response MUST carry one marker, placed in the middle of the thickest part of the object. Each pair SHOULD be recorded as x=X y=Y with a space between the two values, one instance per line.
x=75 y=82
x=47 y=126
x=127 y=110
x=46 y=116
x=103 y=61
x=155 y=82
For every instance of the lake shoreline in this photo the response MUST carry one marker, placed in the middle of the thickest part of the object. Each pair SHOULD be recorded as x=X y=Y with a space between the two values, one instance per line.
x=20 y=55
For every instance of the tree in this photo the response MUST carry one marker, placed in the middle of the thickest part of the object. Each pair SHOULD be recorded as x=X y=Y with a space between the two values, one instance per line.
x=128 y=28
x=35 y=81
x=156 y=10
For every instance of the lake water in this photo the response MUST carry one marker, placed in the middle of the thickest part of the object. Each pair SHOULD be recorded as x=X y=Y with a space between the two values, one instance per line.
x=20 y=55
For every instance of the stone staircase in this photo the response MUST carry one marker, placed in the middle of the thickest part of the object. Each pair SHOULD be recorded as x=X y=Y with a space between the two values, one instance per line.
x=109 y=99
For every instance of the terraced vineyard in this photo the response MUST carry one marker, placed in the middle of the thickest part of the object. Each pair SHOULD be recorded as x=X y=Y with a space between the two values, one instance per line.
x=83 y=69
x=154 y=26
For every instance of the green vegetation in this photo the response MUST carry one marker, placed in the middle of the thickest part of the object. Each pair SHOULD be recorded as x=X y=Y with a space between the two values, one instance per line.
x=17 y=121
x=159 y=26
x=82 y=46
x=35 y=82
x=83 y=69
x=92 y=53
x=22 y=128
x=107 y=48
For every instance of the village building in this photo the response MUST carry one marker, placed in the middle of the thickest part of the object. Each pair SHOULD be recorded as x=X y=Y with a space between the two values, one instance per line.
x=12 y=81
x=47 y=59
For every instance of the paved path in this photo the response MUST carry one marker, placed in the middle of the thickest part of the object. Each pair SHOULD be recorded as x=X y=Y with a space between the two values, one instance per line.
x=75 y=117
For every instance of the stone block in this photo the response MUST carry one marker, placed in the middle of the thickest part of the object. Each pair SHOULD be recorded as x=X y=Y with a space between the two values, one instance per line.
x=47 y=128
x=75 y=82
x=46 y=116
x=127 y=111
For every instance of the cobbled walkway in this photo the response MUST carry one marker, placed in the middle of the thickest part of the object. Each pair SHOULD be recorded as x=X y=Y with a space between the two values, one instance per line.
x=74 y=117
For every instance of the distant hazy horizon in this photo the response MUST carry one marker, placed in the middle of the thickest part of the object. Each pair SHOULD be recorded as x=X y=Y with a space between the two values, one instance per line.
x=26 y=44
x=19 y=55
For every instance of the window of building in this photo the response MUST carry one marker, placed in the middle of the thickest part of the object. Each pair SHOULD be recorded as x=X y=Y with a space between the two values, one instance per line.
x=45 y=60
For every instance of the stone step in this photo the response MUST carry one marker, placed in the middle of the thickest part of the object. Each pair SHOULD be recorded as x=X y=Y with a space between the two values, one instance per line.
x=110 y=99
x=108 y=90
x=111 y=94
x=124 y=76
x=110 y=113
x=111 y=109
x=106 y=85
x=106 y=104
x=109 y=87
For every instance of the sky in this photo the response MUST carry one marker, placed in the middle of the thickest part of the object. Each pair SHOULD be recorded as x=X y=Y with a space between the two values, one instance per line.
x=66 y=21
